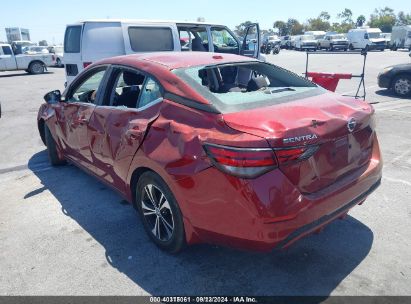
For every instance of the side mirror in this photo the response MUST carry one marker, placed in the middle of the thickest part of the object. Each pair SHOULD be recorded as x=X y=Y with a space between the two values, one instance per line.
x=53 y=97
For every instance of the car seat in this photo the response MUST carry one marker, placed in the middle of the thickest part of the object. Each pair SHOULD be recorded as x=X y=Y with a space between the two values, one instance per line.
x=129 y=95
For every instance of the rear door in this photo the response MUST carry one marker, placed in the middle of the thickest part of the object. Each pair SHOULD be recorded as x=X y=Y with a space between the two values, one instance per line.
x=251 y=41
x=72 y=51
x=118 y=126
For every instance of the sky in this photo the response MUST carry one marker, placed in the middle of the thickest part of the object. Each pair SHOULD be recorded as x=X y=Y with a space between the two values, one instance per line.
x=46 y=19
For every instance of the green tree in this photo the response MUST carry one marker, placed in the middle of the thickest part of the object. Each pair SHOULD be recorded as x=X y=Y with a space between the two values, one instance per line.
x=325 y=16
x=403 y=19
x=346 y=16
x=43 y=43
x=320 y=23
x=282 y=27
x=384 y=19
x=360 y=20
x=346 y=21
x=240 y=29
x=294 y=27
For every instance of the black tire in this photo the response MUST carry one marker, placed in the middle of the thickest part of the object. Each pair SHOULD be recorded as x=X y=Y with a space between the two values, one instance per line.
x=58 y=62
x=54 y=158
x=331 y=48
x=401 y=85
x=36 y=67
x=351 y=47
x=175 y=240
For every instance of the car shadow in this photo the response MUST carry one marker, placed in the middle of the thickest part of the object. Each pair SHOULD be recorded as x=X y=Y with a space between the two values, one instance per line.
x=315 y=265
x=390 y=93
x=24 y=74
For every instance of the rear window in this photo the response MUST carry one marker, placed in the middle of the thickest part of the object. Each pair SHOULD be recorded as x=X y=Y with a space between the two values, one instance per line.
x=151 y=39
x=6 y=50
x=242 y=86
x=72 y=39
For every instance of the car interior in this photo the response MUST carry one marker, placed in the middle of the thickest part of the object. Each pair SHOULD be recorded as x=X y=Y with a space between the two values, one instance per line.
x=193 y=38
x=127 y=89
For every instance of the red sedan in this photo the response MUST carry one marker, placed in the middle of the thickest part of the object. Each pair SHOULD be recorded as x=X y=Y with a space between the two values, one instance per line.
x=216 y=148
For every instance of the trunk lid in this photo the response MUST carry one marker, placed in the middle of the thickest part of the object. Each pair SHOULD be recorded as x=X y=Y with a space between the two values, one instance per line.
x=321 y=120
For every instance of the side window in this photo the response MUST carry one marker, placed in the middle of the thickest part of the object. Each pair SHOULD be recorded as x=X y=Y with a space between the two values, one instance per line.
x=127 y=88
x=366 y=36
x=6 y=50
x=150 y=92
x=193 y=38
x=185 y=40
x=223 y=41
x=151 y=39
x=87 y=90
x=72 y=39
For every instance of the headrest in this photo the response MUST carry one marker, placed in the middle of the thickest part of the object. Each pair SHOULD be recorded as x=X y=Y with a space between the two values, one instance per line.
x=131 y=78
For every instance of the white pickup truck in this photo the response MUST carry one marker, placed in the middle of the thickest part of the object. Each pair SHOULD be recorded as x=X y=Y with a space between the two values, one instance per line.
x=33 y=64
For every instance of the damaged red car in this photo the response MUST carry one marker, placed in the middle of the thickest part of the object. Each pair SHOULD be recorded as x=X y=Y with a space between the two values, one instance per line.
x=216 y=148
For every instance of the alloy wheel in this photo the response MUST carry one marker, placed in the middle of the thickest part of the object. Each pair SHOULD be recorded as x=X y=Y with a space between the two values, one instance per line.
x=402 y=86
x=157 y=213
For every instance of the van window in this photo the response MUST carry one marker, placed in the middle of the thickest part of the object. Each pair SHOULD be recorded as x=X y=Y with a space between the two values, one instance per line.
x=223 y=41
x=151 y=39
x=193 y=38
x=72 y=39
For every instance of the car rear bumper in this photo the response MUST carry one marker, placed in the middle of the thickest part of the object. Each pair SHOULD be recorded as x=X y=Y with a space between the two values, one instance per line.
x=268 y=212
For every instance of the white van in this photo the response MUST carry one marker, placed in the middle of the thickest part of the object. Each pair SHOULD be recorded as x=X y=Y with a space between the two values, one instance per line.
x=366 y=38
x=318 y=35
x=305 y=42
x=88 y=41
x=401 y=37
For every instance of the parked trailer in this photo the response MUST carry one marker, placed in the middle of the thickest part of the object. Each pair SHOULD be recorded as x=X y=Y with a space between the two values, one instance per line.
x=401 y=37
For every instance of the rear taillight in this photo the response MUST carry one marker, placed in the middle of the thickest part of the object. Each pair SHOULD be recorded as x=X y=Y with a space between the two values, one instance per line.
x=253 y=162
x=86 y=64
x=242 y=162
x=292 y=154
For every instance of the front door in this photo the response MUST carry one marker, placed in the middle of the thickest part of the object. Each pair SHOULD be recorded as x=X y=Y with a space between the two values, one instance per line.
x=7 y=60
x=118 y=127
x=251 y=41
x=74 y=114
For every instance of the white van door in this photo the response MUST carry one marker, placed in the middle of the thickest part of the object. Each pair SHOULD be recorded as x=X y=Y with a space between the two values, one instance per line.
x=101 y=40
x=150 y=37
x=251 y=42
x=72 y=50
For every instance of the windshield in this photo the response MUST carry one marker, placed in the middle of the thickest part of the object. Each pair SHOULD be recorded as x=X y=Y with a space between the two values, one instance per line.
x=307 y=37
x=341 y=36
x=374 y=35
x=239 y=86
x=58 y=49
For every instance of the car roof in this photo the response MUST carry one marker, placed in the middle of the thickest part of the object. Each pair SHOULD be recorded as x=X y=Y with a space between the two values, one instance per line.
x=176 y=60
x=146 y=21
